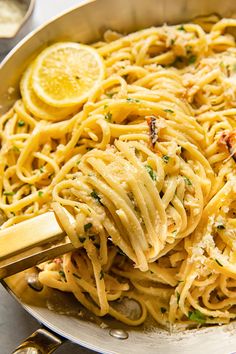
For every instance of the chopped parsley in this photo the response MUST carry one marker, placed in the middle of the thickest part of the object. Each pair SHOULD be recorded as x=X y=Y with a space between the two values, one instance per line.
x=96 y=196
x=15 y=148
x=220 y=227
x=163 y=310
x=151 y=173
x=178 y=297
x=110 y=94
x=172 y=41
x=189 y=49
x=40 y=193
x=87 y=226
x=101 y=275
x=168 y=111
x=187 y=181
x=218 y=262
x=82 y=239
x=21 y=123
x=105 y=106
x=41 y=169
x=197 y=316
x=181 y=28
x=130 y=99
x=234 y=67
x=108 y=116
x=165 y=158
x=192 y=59
x=8 y=193
x=62 y=273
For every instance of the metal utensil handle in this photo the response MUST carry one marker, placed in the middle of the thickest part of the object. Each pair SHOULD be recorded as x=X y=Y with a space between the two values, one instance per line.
x=40 y=342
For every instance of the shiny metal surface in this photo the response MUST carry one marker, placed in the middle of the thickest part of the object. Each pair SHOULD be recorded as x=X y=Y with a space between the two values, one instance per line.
x=86 y=24
x=119 y=333
x=7 y=43
x=40 y=342
x=33 y=281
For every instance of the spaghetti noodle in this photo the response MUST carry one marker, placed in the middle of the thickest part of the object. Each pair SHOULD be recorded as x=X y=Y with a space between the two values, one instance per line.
x=146 y=167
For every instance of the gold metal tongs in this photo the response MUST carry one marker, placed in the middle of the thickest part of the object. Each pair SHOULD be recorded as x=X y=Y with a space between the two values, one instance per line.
x=32 y=242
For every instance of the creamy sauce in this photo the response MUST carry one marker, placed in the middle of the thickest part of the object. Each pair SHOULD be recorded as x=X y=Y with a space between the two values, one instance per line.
x=12 y=13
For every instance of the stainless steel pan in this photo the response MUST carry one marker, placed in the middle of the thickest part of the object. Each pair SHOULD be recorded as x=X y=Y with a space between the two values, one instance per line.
x=86 y=23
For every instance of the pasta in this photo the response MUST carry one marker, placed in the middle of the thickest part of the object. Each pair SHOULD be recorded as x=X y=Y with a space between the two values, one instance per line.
x=146 y=167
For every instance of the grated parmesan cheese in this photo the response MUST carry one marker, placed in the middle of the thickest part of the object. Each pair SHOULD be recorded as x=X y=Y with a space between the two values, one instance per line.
x=12 y=13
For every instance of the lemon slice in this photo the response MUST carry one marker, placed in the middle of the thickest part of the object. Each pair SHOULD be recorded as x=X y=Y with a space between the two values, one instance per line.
x=64 y=74
x=36 y=106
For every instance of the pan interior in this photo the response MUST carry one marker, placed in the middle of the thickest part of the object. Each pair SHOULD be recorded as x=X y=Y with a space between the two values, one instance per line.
x=61 y=312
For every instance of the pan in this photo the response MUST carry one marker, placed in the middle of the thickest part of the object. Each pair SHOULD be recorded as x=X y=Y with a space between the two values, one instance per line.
x=60 y=315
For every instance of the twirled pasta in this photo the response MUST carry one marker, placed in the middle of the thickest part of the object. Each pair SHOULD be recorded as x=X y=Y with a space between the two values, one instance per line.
x=146 y=167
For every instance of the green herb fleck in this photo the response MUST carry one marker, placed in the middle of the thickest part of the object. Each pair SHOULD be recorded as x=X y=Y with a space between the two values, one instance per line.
x=40 y=193
x=152 y=174
x=172 y=41
x=78 y=162
x=234 y=67
x=8 y=193
x=165 y=158
x=82 y=239
x=163 y=310
x=101 y=275
x=187 y=181
x=96 y=196
x=108 y=116
x=21 y=123
x=105 y=106
x=197 y=316
x=110 y=94
x=87 y=226
x=134 y=100
x=178 y=297
x=189 y=49
x=181 y=28
x=15 y=148
x=218 y=262
x=62 y=273
x=220 y=227
x=192 y=59
x=168 y=111
x=41 y=169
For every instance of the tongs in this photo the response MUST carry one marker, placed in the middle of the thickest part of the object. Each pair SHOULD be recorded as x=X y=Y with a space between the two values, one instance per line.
x=32 y=242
